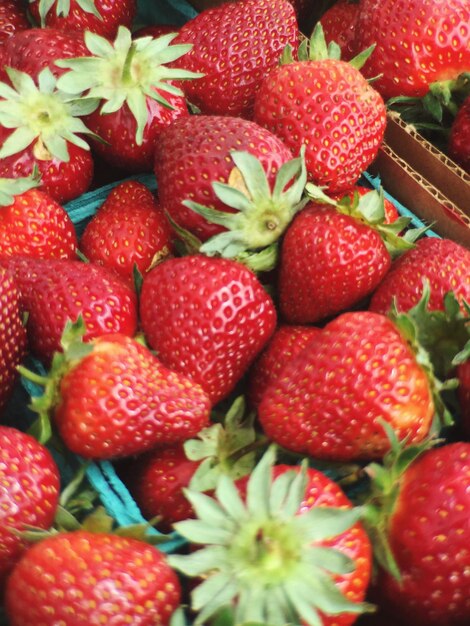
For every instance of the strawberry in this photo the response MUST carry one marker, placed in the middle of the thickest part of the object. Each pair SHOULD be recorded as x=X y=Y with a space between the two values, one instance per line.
x=12 y=335
x=129 y=230
x=30 y=492
x=12 y=19
x=56 y=290
x=284 y=544
x=92 y=578
x=155 y=30
x=339 y=25
x=98 y=16
x=327 y=105
x=235 y=45
x=32 y=223
x=391 y=211
x=330 y=399
x=134 y=87
x=459 y=138
x=417 y=43
x=193 y=153
x=445 y=264
x=463 y=373
x=207 y=318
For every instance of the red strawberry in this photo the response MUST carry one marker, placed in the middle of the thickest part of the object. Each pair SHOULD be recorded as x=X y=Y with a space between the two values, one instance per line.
x=98 y=16
x=235 y=45
x=93 y=578
x=32 y=223
x=56 y=290
x=417 y=43
x=12 y=19
x=12 y=335
x=391 y=211
x=193 y=153
x=207 y=318
x=128 y=230
x=29 y=495
x=459 y=139
x=330 y=399
x=155 y=30
x=137 y=98
x=339 y=25
x=328 y=106
x=445 y=264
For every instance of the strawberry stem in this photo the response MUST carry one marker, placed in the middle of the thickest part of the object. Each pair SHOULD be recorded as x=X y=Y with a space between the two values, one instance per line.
x=126 y=70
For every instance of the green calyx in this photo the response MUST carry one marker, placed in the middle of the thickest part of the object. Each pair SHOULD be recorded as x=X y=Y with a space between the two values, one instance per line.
x=12 y=187
x=41 y=115
x=62 y=8
x=261 y=559
x=261 y=215
x=126 y=71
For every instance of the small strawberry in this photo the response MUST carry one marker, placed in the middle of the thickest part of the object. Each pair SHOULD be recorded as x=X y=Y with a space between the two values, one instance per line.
x=155 y=30
x=56 y=290
x=92 y=578
x=339 y=25
x=12 y=19
x=129 y=230
x=443 y=262
x=32 y=223
x=235 y=45
x=391 y=211
x=98 y=16
x=134 y=87
x=327 y=105
x=207 y=318
x=29 y=495
x=459 y=139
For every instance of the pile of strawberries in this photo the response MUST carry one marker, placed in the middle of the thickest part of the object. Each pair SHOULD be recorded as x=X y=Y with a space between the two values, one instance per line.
x=276 y=363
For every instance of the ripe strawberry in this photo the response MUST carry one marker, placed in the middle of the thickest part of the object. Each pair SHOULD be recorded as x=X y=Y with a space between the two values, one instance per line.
x=391 y=211
x=207 y=318
x=417 y=43
x=32 y=223
x=98 y=16
x=446 y=265
x=459 y=139
x=155 y=30
x=95 y=578
x=327 y=105
x=330 y=399
x=135 y=90
x=12 y=335
x=339 y=25
x=56 y=290
x=129 y=229
x=235 y=45
x=194 y=152
x=12 y=19
x=29 y=495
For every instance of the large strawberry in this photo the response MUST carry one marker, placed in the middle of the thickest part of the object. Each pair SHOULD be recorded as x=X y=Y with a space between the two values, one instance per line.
x=134 y=86
x=12 y=19
x=29 y=492
x=98 y=16
x=207 y=318
x=92 y=578
x=235 y=45
x=32 y=223
x=56 y=290
x=284 y=545
x=459 y=138
x=417 y=43
x=327 y=105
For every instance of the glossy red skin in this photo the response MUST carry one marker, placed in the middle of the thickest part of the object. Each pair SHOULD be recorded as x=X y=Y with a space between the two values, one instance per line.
x=463 y=374
x=321 y=491
x=12 y=335
x=445 y=264
x=339 y=25
x=193 y=153
x=63 y=181
x=329 y=399
x=115 y=13
x=428 y=532
x=459 y=139
x=29 y=495
x=120 y=400
x=55 y=290
x=155 y=30
x=129 y=229
x=286 y=342
x=119 y=130
x=329 y=262
x=329 y=106
x=36 y=225
x=436 y=32
x=391 y=211
x=235 y=45
x=87 y=577
x=207 y=318
x=12 y=19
